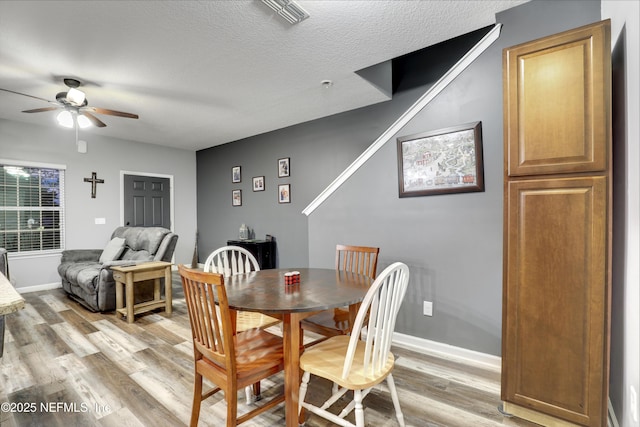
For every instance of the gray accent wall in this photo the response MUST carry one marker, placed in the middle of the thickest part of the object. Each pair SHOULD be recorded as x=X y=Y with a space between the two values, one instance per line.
x=107 y=157
x=452 y=243
x=319 y=151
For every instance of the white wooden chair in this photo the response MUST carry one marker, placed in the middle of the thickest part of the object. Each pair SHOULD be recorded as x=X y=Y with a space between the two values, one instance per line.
x=228 y=261
x=232 y=260
x=356 y=364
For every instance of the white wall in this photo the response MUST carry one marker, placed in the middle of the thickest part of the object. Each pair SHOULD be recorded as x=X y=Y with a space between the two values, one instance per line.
x=625 y=15
x=107 y=157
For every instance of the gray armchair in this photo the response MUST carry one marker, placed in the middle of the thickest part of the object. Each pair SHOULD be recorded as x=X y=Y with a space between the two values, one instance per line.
x=86 y=274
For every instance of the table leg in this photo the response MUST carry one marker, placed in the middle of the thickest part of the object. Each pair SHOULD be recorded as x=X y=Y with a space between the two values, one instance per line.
x=156 y=289
x=168 y=296
x=119 y=302
x=292 y=341
x=129 y=297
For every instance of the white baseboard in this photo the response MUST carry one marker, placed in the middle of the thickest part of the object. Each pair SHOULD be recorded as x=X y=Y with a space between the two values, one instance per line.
x=37 y=288
x=447 y=351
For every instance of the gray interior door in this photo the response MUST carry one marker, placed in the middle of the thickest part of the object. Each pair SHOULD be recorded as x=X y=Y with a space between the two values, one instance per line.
x=147 y=201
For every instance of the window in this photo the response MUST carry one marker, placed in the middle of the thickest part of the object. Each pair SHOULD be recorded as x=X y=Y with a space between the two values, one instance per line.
x=31 y=207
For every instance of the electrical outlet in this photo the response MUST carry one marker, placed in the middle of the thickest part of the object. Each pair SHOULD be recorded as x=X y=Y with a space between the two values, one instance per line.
x=427 y=308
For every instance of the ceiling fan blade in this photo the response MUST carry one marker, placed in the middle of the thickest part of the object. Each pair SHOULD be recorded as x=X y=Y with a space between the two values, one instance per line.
x=40 y=110
x=112 y=112
x=30 y=96
x=96 y=121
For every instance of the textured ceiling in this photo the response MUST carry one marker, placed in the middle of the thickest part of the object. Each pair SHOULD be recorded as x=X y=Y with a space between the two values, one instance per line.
x=203 y=73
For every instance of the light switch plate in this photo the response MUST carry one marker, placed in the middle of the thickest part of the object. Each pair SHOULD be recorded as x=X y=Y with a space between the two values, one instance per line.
x=427 y=308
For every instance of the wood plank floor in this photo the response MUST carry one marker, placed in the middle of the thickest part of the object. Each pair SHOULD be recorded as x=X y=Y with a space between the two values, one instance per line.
x=66 y=366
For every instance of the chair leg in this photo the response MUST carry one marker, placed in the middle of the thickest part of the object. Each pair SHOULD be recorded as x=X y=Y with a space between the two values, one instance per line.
x=231 y=396
x=396 y=401
x=197 y=399
x=256 y=391
x=249 y=395
x=303 y=390
x=359 y=410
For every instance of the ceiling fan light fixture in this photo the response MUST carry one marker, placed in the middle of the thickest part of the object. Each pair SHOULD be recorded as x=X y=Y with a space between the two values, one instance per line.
x=83 y=121
x=288 y=10
x=65 y=119
x=75 y=96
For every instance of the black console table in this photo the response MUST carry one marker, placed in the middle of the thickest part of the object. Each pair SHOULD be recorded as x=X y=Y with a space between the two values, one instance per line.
x=263 y=250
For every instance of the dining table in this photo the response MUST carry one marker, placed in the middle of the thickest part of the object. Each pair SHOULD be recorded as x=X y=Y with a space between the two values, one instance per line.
x=318 y=289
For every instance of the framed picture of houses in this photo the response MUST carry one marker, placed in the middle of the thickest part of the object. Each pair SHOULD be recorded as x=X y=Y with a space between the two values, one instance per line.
x=442 y=161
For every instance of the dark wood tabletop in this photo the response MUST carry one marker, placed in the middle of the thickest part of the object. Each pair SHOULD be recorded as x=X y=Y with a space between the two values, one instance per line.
x=319 y=289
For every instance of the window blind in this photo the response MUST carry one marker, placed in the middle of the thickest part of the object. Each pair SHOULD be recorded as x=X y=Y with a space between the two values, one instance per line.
x=31 y=207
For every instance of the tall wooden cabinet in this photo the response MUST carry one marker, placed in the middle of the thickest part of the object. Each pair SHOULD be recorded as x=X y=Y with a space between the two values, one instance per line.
x=557 y=227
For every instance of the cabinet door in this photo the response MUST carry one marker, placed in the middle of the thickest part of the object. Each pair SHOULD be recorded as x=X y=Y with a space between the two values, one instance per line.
x=555 y=345
x=263 y=250
x=556 y=102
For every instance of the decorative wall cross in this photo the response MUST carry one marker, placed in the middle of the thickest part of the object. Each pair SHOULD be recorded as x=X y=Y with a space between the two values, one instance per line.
x=94 y=180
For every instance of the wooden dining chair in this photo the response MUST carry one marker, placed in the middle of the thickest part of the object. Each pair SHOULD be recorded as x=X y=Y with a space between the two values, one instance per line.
x=232 y=260
x=356 y=259
x=230 y=361
x=356 y=364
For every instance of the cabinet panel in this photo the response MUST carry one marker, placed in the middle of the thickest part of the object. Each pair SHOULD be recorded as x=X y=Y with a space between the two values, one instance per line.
x=555 y=297
x=557 y=103
x=557 y=232
x=263 y=250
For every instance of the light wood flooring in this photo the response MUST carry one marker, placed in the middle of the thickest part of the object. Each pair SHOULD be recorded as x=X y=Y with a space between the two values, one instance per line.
x=66 y=366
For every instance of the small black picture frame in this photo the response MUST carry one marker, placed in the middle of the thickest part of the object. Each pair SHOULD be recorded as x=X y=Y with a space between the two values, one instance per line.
x=284 y=167
x=258 y=183
x=236 y=174
x=236 y=197
x=284 y=193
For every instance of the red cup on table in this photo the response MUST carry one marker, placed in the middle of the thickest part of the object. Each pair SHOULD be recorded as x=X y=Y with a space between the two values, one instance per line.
x=292 y=278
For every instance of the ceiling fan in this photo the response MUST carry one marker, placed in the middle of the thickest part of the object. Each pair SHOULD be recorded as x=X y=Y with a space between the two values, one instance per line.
x=74 y=103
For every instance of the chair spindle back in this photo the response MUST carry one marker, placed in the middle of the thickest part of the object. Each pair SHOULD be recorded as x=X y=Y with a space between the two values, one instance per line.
x=211 y=328
x=382 y=304
x=231 y=260
x=357 y=259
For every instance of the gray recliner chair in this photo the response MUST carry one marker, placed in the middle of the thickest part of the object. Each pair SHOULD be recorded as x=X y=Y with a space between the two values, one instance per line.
x=86 y=274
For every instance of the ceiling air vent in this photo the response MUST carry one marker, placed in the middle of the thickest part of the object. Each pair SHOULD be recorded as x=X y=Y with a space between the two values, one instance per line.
x=289 y=10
